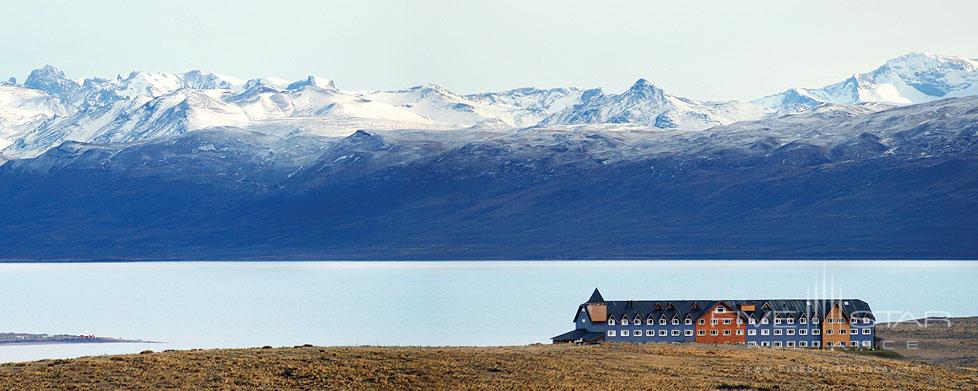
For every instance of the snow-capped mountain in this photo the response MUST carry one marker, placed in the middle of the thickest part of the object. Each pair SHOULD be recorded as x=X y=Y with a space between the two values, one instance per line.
x=908 y=79
x=49 y=108
x=649 y=106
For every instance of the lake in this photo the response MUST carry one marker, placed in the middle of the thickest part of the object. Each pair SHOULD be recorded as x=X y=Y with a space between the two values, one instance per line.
x=246 y=304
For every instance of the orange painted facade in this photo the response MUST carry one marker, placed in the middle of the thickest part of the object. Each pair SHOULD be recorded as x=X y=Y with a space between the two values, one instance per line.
x=835 y=329
x=721 y=325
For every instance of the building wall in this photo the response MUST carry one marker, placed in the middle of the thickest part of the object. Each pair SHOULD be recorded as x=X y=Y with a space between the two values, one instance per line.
x=720 y=325
x=835 y=329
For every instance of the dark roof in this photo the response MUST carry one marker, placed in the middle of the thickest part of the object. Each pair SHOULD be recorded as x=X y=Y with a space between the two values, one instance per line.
x=658 y=309
x=784 y=308
x=596 y=297
x=579 y=334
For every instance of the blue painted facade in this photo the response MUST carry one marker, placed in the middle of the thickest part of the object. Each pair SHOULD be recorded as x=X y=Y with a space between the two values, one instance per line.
x=766 y=323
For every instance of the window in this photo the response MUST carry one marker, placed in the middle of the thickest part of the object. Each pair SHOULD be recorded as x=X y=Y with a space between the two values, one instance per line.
x=816 y=331
x=751 y=321
x=714 y=321
x=814 y=320
x=611 y=322
x=751 y=332
x=688 y=333
x=650 y=321
x=624 y=333
x=740 y=332
x=637 y=333
x=816 y=344
x=791 y=344
x=830 y=321
x=763 y=320
x=624 y=322
x=675 y=321
x=853 y=321
x=790 y=331
x=713 y=332
x=853 y=343
x=726 y=332
x=777 y=320
x=778 y=331
x=802 y=331
x=662 y=321
x=751 y=343
x=828 y=331
x=701 y=332
x=803 y=344
x=765 y=332
x=866 y=331
x=662 y=333
x=867 y=344
x=611 y=333
x=637 y=321
x=649 y=333
x=726 y=321
x=719 y=310
x=777 y=344
x=791 y=321
x=853 y=331
x=689 y=321
x=803 y=321
x=765 y=343
x=866 y=321
x=701 y=321
x=676 y=333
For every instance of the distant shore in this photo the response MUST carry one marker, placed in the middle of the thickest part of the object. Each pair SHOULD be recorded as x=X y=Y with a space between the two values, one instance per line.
x=20 y=339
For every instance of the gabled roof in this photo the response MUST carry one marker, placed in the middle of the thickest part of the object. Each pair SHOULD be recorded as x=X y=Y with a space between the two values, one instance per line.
x=596 y=297
x=765 y=308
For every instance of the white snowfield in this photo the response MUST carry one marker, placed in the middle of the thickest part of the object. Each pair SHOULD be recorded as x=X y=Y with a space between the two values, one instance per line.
x=49 y=109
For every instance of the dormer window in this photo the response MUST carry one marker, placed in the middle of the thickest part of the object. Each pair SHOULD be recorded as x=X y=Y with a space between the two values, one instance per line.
x=611 y=322
x=866 y=320
x=637 y=321
x=764 y=321
x=751 y=321
x=689 y=321
x=777 y=320
x=791 y=321
x=803 y=321
x=662 y=321
x=650 y=321
x=814 y=320
x=719 y=310
x=624 y=321
x=675 y=321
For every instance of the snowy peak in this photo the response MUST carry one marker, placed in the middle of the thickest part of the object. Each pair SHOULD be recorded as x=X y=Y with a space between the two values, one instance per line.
x=907 y=79
x=312 y=81
x=646 y=105
x=52 y=81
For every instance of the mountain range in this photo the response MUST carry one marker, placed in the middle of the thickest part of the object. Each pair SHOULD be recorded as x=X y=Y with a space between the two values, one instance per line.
x=49 y=108
x=203 y=166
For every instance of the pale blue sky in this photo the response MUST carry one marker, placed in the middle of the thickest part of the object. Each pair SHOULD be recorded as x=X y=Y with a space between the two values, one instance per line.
x=700 y=49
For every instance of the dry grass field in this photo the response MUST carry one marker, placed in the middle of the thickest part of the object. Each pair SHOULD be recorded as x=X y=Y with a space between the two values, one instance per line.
x=611 y=366
x=951 y=342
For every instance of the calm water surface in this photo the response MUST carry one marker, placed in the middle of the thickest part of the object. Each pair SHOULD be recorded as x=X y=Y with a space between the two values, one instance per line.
x=209 y=305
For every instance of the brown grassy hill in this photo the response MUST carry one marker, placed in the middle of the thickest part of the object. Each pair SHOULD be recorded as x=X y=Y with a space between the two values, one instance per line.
x=951 y=342
x=613 y=366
